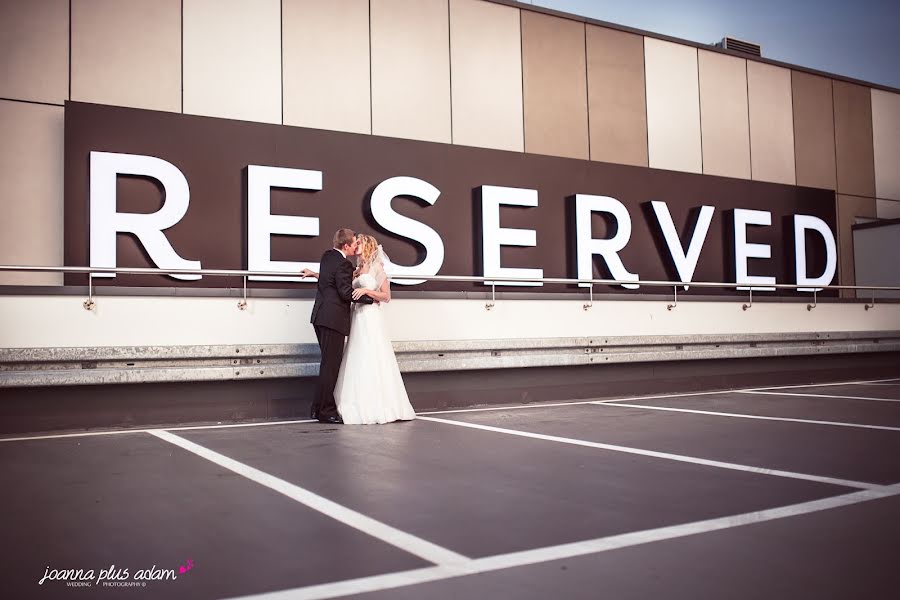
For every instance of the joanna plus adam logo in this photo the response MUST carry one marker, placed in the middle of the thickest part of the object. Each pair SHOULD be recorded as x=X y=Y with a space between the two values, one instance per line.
x=114 y=577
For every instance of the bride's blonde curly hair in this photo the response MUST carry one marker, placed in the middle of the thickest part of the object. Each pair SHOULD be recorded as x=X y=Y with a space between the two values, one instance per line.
x=368 y=249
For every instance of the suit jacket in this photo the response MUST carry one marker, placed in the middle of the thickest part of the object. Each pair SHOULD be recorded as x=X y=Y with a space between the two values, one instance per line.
x=334 y=293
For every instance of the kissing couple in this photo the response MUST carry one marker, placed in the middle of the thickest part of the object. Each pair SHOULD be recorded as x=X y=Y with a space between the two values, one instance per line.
x=359 y=384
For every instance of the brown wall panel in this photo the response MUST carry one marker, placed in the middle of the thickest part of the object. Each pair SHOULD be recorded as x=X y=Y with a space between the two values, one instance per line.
x=853 y=139
x=814 y=130
x=554 y=75
x=617 y=103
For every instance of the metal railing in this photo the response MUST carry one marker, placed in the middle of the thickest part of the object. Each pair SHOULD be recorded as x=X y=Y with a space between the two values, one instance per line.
x=492 y=281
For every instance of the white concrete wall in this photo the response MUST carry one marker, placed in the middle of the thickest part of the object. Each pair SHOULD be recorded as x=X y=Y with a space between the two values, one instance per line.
x=61 y=321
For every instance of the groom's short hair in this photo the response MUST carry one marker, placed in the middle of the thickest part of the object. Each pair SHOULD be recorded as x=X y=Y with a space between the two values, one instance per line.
x=343 y=236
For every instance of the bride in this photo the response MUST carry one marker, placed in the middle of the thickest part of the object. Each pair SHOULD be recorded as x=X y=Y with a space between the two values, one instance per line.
x=369 y=387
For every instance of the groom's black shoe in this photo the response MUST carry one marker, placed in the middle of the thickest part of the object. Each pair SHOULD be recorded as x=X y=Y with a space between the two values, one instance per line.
x=313 y=414
x=333 y=420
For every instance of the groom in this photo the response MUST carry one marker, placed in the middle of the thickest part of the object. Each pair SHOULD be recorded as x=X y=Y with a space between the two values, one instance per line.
x=331 y=319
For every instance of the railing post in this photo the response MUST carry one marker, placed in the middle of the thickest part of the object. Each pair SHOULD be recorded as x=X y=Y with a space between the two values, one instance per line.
x=243 y=303
x=746 y=306
x=591 y=301
x=673 y=305
x=89 y=303
x=868 y=306
x=490 y=305
x=815 y=300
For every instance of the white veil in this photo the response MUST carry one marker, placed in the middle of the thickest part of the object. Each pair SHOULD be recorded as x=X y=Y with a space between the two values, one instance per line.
x=378 y=264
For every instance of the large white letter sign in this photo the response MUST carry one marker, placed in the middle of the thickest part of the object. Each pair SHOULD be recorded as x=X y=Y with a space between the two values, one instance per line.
x=587 y=247
x=684 y=263
x=493 y=236
x=803 y=223
x=385 y=216
x=106 y=222
x=744 y=251
x=262 y=224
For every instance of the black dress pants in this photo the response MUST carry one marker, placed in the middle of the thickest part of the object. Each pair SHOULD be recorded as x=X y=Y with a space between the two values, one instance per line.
x=331 y=346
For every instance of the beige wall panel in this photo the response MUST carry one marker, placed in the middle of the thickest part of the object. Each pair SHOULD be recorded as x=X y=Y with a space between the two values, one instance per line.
x=554 y=76
x=31 y=190
x=34 y=46
x=617 y=104
x=673 y=106
x=127 y=53
x=486 y=73
x=853 y=139
x=411 y=69
x=813 y=130
x=326 y=65
x=849 y=208
x=886 y=141
x=771 y=123
x=724 y=121
x=232 y=59
x=887 y=209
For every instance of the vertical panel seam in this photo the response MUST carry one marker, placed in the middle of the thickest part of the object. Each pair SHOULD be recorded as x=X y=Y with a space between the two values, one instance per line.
x=281 y=31
x=793 y=125
x=699 y=110
x=69 y=97
x=371 y=100
x=450 y=66
x=182 y=56
x=522 y=73
x=646 y=98
x=749 y=120
x=587 y=93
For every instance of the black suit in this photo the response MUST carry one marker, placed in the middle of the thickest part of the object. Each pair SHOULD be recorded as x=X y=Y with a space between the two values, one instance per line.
x=331 y=319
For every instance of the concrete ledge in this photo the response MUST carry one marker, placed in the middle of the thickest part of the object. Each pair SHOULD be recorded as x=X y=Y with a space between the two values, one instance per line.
x=35 y=367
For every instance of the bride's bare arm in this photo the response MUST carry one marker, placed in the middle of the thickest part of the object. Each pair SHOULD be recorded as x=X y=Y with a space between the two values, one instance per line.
x=380 y=295
x=308 y=273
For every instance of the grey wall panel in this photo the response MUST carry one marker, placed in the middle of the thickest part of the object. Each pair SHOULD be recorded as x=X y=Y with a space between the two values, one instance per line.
x=771 y=123
x=411 y=69
x=886 y=142
x=326 y=64
x=486 y=72
x=554 y=74
x=673 y=106
x=127 y=53
x=31 y=190
x=34 y=46
x=813 y=130
x=853 y=139
x=724 y=120
x=616 y=97
x=232 y=59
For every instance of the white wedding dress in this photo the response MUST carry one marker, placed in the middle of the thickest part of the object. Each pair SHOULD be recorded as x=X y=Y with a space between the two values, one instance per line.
x=369 y=388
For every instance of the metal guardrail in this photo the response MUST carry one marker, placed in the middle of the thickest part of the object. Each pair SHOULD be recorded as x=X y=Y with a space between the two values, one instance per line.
x=492 y=281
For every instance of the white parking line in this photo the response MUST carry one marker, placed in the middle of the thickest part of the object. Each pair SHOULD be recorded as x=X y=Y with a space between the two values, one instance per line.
x=808 y=385
x=541 y=555
x=573 y=403
x=395 y=537
x=664 y=455
x=745 y=416
x=815 y=395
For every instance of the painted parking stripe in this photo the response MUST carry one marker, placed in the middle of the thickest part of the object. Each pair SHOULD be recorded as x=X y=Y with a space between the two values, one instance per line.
x=744 y=416
x=816 y=395
x=542 y=555
x=663 y=455
x=572 y=403
x=395 y=537
x=831 y=384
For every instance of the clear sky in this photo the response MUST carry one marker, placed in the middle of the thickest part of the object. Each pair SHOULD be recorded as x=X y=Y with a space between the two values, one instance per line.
x=858 y=39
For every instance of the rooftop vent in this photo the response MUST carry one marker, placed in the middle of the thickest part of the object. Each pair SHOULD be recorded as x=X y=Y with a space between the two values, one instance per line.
x=730 y=43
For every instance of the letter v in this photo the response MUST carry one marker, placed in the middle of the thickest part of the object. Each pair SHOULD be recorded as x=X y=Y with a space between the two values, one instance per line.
x=685 y=263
